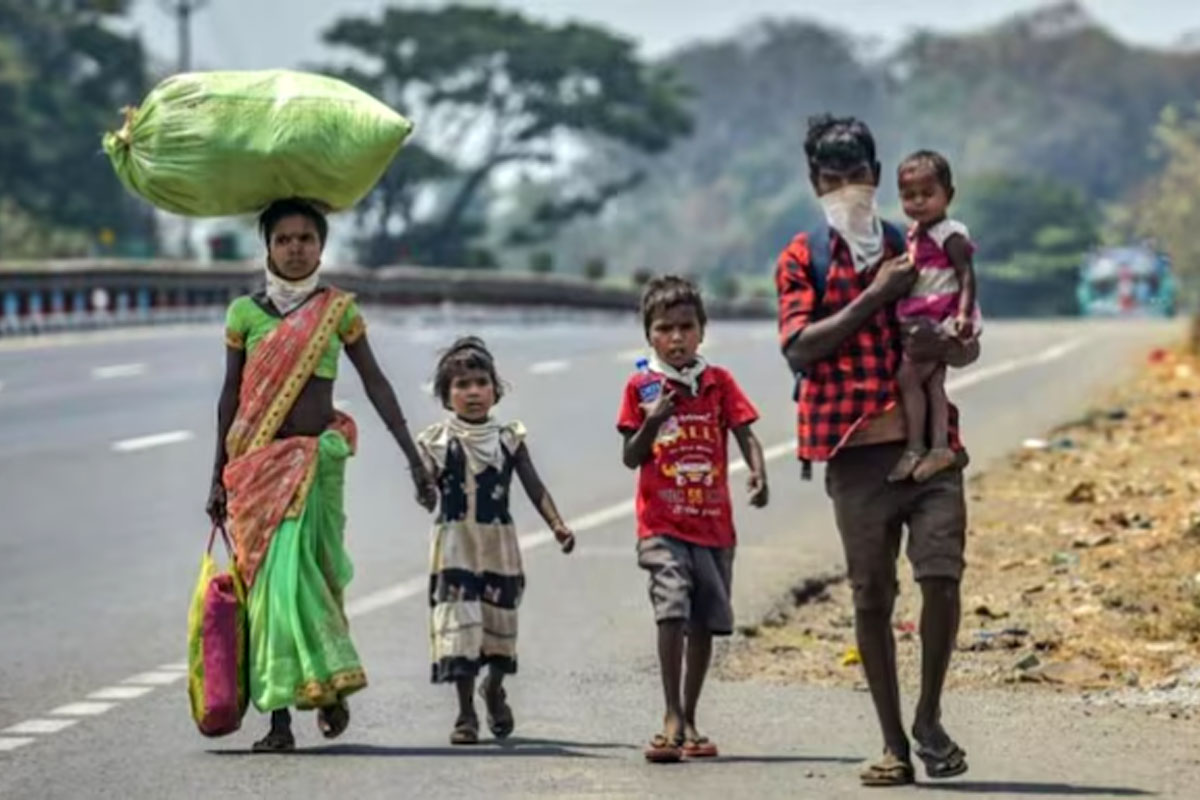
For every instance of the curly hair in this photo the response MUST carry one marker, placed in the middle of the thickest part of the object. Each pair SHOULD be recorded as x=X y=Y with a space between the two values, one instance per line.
x=465 y=354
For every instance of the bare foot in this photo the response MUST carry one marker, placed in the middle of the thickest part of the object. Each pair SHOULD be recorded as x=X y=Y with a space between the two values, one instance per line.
x=906 y=466
x=936 y=460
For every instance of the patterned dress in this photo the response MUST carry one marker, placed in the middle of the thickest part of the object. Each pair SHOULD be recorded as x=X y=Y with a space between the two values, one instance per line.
x=476 y=580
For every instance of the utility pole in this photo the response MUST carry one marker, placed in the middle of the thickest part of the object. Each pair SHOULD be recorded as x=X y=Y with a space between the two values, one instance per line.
x=183 y=10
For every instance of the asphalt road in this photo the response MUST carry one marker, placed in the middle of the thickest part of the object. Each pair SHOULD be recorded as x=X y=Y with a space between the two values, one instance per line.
x=105 y=451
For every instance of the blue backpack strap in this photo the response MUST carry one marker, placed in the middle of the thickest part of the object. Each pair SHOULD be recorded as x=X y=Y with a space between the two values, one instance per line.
x=819 y=256
x=894 y=238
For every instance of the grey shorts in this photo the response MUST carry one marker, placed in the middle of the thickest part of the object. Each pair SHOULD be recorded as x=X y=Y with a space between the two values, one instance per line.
x=872 y=515
x=689 y=582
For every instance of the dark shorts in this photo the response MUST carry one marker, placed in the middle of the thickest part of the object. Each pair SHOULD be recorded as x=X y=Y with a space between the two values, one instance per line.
x=689 y=582
x=872 y=515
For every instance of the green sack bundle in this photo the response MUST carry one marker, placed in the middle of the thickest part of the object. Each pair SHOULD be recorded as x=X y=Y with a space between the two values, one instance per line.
x=210 y=144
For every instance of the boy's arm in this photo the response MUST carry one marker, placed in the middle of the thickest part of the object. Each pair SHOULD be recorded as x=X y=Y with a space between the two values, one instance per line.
x=753 y=453
x=539 y=495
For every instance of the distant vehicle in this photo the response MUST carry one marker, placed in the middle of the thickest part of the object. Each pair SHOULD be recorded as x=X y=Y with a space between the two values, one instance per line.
x=1131 y=281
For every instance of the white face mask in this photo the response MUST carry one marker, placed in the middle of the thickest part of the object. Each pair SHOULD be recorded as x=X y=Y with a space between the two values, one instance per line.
x=852 y=212
x=286 y=295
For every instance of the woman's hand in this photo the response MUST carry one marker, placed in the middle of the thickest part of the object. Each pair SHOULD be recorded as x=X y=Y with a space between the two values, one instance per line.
x=217 y=503
x=427 y=494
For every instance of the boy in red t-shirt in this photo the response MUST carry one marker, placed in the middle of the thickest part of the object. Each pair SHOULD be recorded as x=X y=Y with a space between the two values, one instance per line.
x=675 y=417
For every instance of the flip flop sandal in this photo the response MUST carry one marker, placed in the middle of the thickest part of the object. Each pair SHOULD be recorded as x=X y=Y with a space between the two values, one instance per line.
x=948 y=763
x=333 y=720
x=890 y=771
x=700 y=747
x=275 y=742
x=499 y=717
x=466 y=731
x=662 y=750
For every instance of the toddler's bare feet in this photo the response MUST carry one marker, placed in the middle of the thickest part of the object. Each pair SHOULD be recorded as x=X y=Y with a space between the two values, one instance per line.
x=906 y=466
x=936 y=460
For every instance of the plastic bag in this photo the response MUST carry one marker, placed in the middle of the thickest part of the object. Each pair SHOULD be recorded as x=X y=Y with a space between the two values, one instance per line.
x=218 y=647
x=228 y=143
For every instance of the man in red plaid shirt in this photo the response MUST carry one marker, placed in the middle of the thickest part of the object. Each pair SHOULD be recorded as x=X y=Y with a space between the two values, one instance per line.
x=839 y=333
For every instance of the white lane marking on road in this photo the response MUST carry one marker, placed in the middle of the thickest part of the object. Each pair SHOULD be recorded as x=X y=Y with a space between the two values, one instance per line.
x=982 y=374
x=178 y=666
x=386 y=597
x=427 y=387
x=83 y=709
x=40 y=726
x=153 y=440
x=8 y=745
x=154 y=678
x=340 y=404
x=118 y=371
x=121 y=693
x=549 y=367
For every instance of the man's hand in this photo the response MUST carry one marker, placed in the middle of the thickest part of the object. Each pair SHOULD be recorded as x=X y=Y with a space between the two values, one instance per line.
x=895 y=279
x=926 y=341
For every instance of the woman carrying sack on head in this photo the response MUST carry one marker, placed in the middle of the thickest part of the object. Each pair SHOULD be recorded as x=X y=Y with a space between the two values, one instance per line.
x=279 y=473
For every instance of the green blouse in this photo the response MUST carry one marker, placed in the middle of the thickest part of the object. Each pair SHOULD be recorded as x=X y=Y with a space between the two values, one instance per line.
x=247 y=323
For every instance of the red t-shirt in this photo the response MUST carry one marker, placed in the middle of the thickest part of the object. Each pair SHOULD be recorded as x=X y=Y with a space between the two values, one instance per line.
x=683 y=488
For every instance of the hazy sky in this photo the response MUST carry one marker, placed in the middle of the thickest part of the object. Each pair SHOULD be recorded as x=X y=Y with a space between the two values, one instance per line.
x=252 y=34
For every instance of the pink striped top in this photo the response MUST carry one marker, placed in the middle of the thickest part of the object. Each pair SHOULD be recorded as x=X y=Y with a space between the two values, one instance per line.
x=935 y=294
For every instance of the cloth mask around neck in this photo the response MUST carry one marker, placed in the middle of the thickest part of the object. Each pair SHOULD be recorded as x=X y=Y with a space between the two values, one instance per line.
x=688 y=376
x=853 y=213
x=287 y=295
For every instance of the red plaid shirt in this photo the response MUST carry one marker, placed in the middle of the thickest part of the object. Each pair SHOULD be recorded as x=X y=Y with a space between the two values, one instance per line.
x=841 y=392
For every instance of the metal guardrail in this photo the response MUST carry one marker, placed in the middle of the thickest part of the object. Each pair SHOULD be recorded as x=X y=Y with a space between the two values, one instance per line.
x=47 y=296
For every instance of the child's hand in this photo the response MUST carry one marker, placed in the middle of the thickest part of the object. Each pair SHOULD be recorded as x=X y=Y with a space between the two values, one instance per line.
x=662 y=407
x=964 y=327
x=565 y=539
x=427 y=494
x=756 y=485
